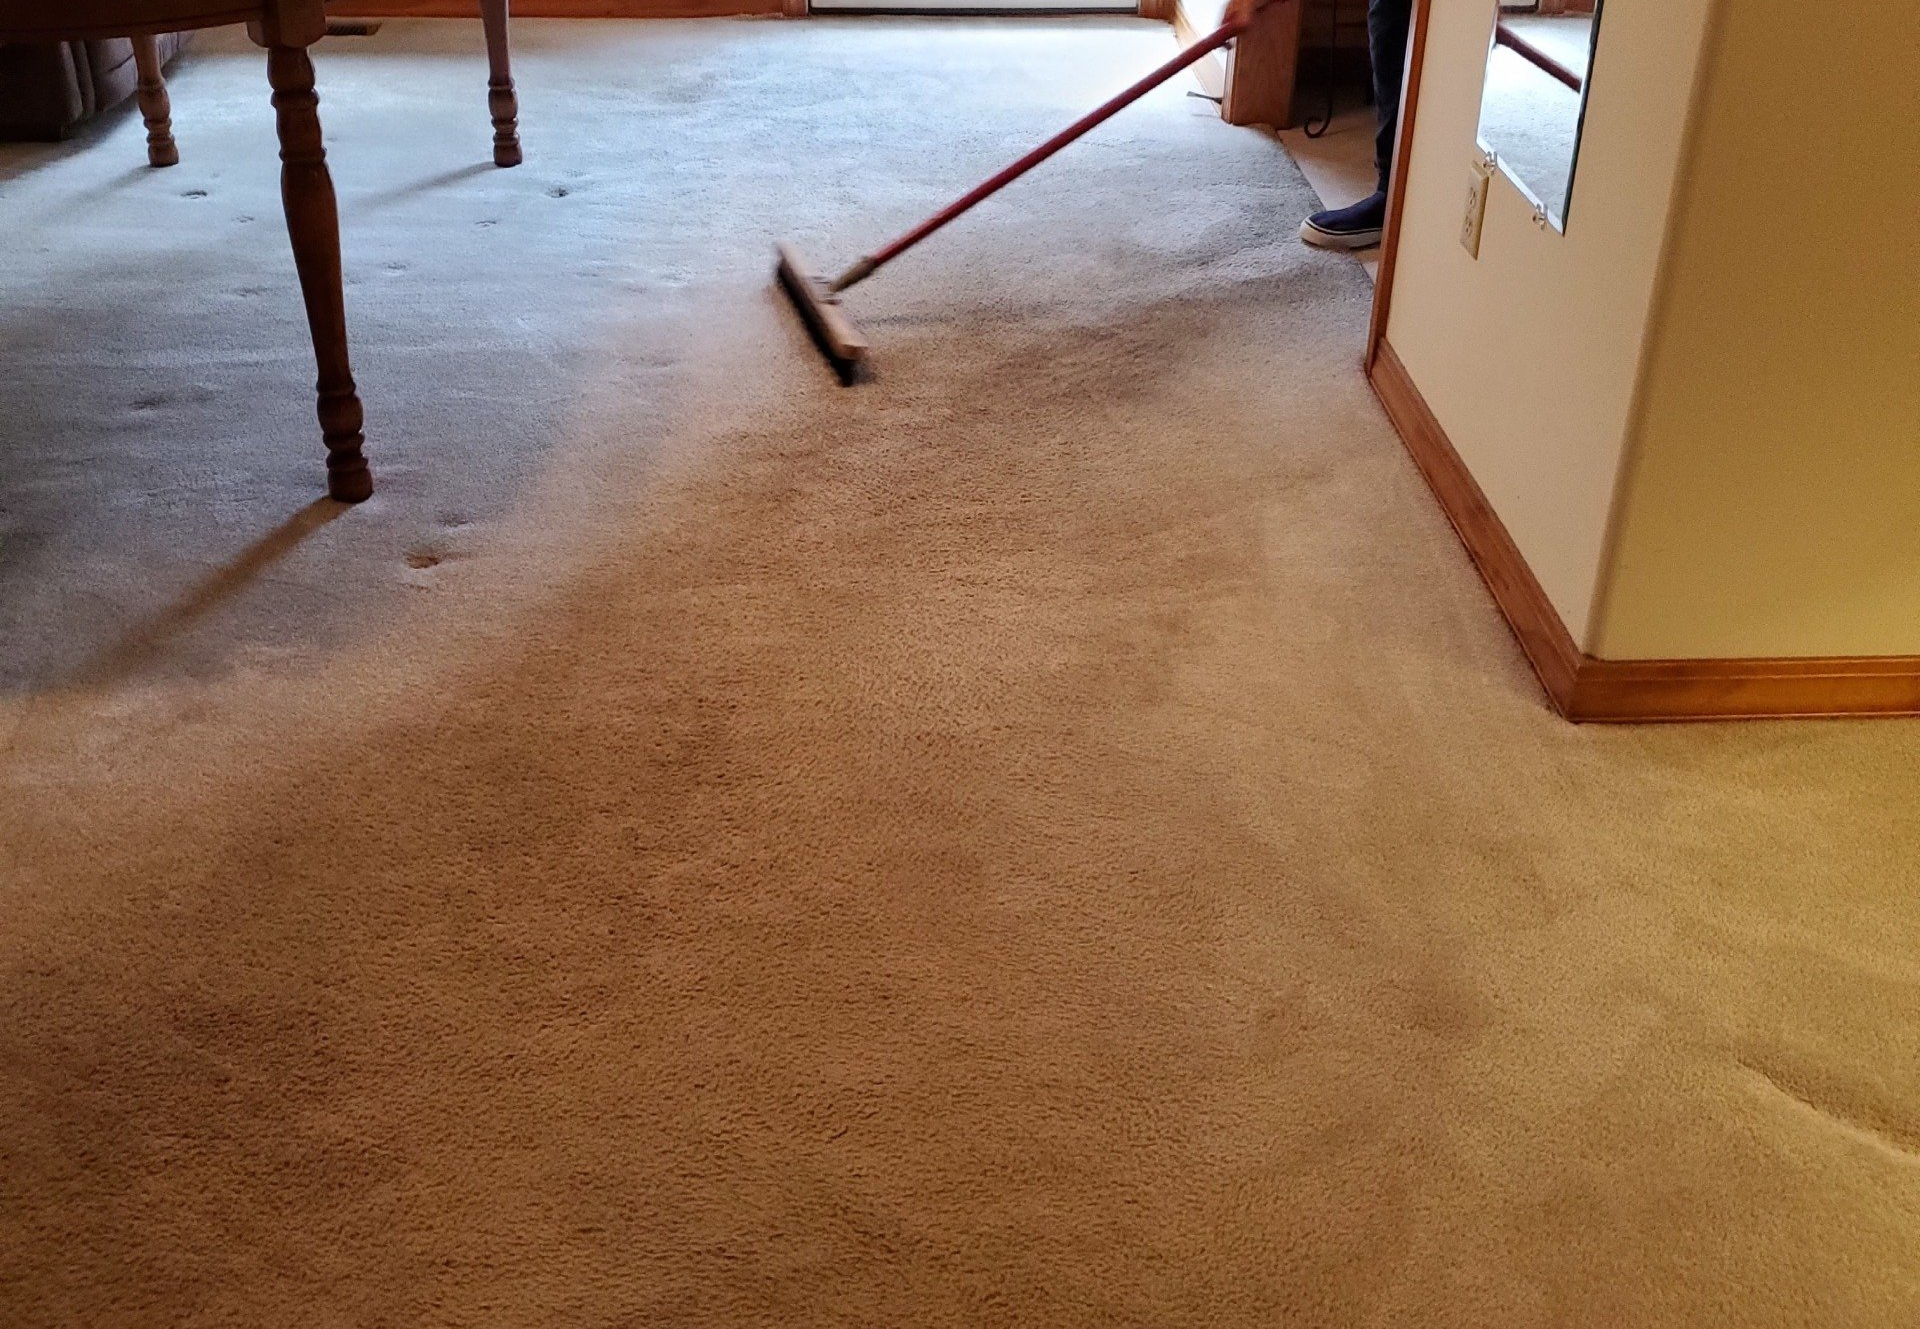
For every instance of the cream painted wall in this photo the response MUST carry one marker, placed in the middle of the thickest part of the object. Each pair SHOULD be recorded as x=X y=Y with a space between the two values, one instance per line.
x=1529 y=356
x=1772 y=502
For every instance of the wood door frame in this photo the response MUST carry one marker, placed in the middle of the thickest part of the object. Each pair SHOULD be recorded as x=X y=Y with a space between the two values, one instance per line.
x=1397 y=183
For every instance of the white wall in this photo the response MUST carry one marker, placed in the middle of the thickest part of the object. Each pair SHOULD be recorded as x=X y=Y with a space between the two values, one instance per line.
x=1529 y=356
x=1773 y=499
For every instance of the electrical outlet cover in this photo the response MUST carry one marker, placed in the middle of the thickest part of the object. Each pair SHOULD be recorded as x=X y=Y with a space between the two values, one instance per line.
x=1476 y=215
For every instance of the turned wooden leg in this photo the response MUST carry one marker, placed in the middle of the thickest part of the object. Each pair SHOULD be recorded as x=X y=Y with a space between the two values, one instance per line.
x=501 y=99
x=313 y=224
x=156 y=108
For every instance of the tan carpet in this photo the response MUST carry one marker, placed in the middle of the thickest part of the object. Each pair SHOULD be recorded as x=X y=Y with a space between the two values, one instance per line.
x=1055 y=837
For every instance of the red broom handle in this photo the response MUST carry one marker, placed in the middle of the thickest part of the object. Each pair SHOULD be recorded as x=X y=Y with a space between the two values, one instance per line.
x=1533 y=55
x=871 y=264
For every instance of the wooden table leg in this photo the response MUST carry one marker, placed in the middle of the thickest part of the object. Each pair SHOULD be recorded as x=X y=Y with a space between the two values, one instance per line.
x=501 y=98
x=156 y=108
x=313 y=224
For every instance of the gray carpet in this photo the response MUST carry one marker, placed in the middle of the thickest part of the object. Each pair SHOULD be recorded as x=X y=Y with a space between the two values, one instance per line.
x=1056 y=836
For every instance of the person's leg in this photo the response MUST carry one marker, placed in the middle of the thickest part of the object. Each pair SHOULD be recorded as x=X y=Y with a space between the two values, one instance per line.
x=1388 y=23
x=1361 y=225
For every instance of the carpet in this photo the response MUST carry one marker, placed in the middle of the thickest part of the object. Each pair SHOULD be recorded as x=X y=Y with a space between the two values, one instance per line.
x=1056 y=836
x=1532 y=124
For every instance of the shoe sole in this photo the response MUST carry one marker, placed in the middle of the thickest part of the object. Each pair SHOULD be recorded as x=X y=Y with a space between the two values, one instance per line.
x=1324 y=239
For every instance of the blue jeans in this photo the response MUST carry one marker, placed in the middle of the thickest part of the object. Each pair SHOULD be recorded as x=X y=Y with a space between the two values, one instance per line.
x=1388 y=24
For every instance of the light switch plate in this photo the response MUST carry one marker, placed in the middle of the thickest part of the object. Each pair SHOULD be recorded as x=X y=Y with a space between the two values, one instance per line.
x=1476 y=215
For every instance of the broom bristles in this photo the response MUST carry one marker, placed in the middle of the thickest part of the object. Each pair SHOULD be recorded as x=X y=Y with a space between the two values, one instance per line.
x=832 y=330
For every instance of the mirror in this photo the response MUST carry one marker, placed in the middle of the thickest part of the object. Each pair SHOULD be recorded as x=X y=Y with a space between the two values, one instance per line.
x=1535 y=97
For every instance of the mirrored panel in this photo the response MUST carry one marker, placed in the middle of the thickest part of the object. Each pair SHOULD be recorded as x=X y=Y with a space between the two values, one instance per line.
x=1535 y=96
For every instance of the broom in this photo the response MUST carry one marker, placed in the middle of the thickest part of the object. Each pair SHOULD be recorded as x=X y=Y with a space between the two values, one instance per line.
x=818 y=300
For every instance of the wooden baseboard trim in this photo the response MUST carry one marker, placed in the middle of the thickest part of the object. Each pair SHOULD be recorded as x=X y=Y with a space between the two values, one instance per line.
x=1585 y=689
x=1829 y=687
x=1548 y=645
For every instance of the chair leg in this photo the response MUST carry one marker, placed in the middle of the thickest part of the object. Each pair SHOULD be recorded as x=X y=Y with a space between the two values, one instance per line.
x=313 y=224
x=501 y=98
x=156 y=108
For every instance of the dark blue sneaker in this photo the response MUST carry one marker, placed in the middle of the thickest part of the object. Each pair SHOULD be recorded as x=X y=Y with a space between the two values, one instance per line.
x=1356 y=227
